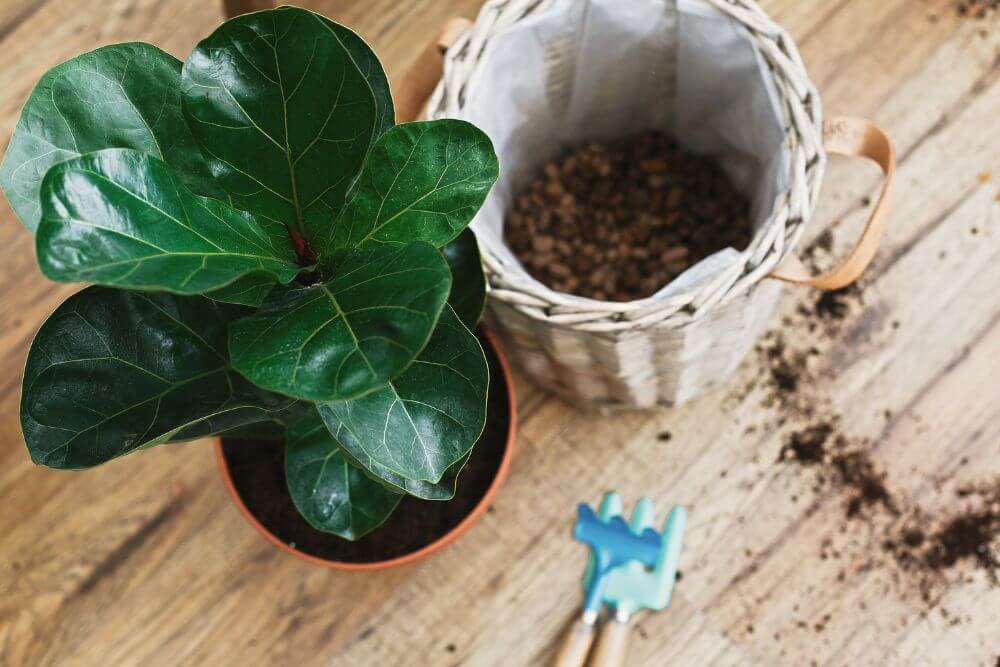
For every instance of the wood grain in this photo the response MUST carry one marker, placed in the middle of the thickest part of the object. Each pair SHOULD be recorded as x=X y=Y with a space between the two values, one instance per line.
x=145 y=561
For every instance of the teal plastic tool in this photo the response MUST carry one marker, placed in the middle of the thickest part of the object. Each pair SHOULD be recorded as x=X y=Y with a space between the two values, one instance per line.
x=630 y=567
x=632 y=587
x=612 y=544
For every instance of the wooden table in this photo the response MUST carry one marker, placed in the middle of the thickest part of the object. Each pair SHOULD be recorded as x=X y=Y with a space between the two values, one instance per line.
x=146 y=561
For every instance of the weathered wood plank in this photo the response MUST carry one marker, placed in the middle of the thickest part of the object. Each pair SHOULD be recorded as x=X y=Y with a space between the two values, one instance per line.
x=146 y=561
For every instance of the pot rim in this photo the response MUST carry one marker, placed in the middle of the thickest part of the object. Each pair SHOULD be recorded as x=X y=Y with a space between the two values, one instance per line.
x=427 y=550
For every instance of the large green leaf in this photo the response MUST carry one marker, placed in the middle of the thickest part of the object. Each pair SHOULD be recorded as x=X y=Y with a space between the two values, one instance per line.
x=112 y=371
x=468 y=282
x=343 y=338
x=351 y=449
x=269 y=430
x=285 y=105
x=329 y=492
x=120 y=217
x=428 y=418
x=118 y=96
x=368 y=64
x=249 y=290
x=423 y=180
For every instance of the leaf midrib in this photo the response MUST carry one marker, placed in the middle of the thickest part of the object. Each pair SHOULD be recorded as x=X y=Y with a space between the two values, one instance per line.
x=350 y=329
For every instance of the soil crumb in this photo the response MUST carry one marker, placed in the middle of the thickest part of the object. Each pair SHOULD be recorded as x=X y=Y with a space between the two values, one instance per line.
x=976 y=9
x=808 y=445
x=836 y=304
x=867 y=485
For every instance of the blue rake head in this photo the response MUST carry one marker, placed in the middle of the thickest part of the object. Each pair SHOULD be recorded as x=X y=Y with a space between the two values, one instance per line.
x=632 y=586
x=612 y=544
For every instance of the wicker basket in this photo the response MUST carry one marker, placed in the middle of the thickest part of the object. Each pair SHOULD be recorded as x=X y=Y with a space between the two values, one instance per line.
x=647 y=353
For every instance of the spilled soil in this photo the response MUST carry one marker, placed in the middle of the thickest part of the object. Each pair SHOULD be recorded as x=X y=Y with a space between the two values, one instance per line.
x=921 y=547
x=977 y=9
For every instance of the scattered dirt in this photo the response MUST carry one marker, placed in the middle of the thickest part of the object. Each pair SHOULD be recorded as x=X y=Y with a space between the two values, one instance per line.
x=940 y=543
x=619 y=221
x=866 y=484
x=808 y=446
x=919 y=545
x=835 y=304
x=976 y=9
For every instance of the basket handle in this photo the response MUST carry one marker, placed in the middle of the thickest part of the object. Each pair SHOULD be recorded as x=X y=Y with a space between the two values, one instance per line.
x=425 y=72
x=862 y=138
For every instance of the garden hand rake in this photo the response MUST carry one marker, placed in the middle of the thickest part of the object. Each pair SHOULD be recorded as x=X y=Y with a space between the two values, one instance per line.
x=612 y=544
x=632 y=587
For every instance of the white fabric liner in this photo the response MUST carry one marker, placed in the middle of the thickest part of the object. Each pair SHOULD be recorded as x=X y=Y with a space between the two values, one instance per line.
x=599 y=70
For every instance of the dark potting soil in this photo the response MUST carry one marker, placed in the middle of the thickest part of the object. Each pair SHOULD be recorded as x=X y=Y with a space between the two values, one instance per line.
x=921 y=547
x=258 y=473
x=618 y=221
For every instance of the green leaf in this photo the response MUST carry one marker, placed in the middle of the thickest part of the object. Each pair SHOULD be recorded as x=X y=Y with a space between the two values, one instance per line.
x=329 y=492
x=368 y=64
x=468 y=282
x=355 y=455
x=428 y=418
x=112 y=371
x=423 y=180
x=118 y=96
x=249 y=290
x=350 y=335
x=267 y=430
x=120 y=217
x=285 y=105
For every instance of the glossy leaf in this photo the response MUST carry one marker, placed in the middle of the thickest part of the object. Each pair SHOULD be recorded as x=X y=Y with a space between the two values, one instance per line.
x=444 y=489
x=262 y=431
x=120 y=217
x=285 y=105
x=329 y=492
x=428 y=418
x=368 y=64
x=267 y=430
x=350 y=335
x=118 y=96
x=112 y=371
x=468 y=282
x=248 y=290
x=423 y=180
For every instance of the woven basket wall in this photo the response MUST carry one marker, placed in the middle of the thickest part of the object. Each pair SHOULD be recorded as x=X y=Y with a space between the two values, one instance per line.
x=609 y=355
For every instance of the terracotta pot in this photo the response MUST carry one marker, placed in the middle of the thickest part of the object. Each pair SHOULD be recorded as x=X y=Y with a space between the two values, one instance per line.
x=438 y=544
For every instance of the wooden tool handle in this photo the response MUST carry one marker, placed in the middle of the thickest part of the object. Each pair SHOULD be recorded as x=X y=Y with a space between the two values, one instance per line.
x=575 y=646
x=612 y=645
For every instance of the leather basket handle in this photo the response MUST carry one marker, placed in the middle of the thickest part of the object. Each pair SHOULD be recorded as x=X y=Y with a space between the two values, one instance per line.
x=425 y=72
x=852 y=137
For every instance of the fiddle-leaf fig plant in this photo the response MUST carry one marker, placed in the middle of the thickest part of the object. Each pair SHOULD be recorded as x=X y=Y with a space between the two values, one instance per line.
x=269 y=254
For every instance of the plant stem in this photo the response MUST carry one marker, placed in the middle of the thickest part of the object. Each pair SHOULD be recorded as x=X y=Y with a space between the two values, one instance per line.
x=303 y=251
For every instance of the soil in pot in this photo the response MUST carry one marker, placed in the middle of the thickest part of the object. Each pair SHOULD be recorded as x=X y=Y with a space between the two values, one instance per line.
x=258 y=474
x=618 y=221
